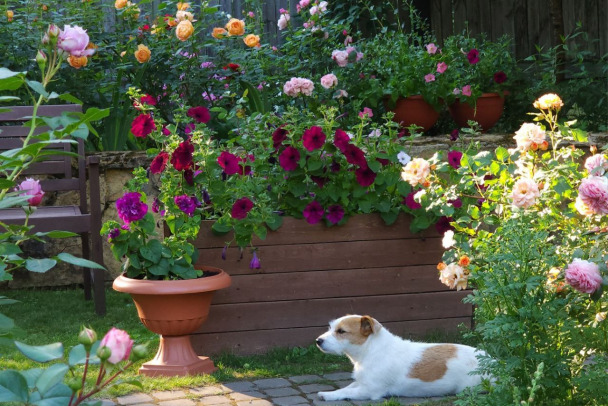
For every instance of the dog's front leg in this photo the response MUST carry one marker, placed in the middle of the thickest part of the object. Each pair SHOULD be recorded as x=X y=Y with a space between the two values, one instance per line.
x=354 y=391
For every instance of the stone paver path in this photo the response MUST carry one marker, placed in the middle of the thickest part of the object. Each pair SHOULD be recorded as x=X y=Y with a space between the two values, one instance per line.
x=292 y=391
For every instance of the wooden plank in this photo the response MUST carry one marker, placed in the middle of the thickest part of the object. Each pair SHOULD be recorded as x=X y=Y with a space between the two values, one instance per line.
x=502 y=19
x=436 y=25
x=21 y=113
x=460 y=16
x=328 y=256
x=602 y=13
x=335 y=283
x=46 y=168
x=520 y=27
x=362 y=227
x=447 y=23
x=472 y=16
x=591 y=25
x=485 y=17
x=261 y=341
x=316 y=312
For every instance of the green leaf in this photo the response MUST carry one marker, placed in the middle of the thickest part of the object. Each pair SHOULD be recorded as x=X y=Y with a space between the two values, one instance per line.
x=275 y=222
x=261 y=232
x=51 y=377
x=314 y=165
x=8 y=98
x=6 y=324
x=37 y=87
x=7 y=248
x=58 y=395
x=39 y=265
x=71 y=259
x=151 y=251
x=41 y=353
x=160 y=269
x=7 y=184
x=390 y=217
x=57 y=234
x=10 y=80
x=5 y=300
x=13 y=386
x=220 y=228
x=502 y=154
x=31 y=376
x=13 y=201
x=69 y=98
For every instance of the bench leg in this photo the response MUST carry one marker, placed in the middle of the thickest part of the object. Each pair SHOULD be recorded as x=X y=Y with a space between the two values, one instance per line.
x=99 y=288
x=86 y=272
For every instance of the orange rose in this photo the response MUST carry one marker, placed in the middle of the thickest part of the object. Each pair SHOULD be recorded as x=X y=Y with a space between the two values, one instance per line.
x=235 y=27
x=184 y=15
x=219 y=33
x=142 y=54
x=171 y=22
x=120 y=4
x=184 y=30
x=9 y=15
x=77 y=61
x=45 y=7
x=183 y=6
x=441 y=266
x=464 y=261
x=252 y=40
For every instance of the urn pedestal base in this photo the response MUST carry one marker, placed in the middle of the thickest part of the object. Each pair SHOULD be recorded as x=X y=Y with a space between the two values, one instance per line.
x=176 y=357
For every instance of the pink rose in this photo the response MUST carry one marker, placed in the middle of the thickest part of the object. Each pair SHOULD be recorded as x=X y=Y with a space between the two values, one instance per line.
x=596 y=165
x=441 y=67
x=525 y=192
x=328 y=81
x=119 y=342
x=283 y=21
x=32 y=188
x=466 y=90
x=74 y=40
x=593 y=192
x=341 y=57
x=583 y=276
x=529 y=134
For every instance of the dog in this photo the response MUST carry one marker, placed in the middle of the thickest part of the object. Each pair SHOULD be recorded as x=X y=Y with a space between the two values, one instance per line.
x=386 y=365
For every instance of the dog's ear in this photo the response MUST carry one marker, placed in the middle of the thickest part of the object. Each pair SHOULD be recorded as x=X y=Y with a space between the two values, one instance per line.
x=368 y=326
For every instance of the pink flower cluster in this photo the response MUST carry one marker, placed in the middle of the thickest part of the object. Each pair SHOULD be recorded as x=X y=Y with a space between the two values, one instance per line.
x=296 y=86
x=583 y=276
x=465 y=91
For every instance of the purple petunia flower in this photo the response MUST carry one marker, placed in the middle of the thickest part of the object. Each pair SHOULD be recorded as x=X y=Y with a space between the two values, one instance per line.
x=186 y=204
x=113 y=234
x=335 y=213
x=410 y=202
x=454 y=134
x=289 y=159
x=354 y=155
x=313 y=212
x=454 y=159
x=365 y=176
x=473 y=56
x=255 y=262
x=229 y=162
x=241 y=208
x=443 y=224
x=341 y=140
x=313 y=138
x=130 y=207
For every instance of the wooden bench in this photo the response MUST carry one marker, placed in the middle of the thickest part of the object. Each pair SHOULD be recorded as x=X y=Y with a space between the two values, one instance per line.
x=57 y=176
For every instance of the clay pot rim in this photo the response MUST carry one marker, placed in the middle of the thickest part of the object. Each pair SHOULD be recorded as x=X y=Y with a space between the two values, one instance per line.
x=218 y=281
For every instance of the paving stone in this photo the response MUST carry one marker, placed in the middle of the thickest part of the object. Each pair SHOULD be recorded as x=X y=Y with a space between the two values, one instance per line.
x=107 y=402
x=338 y=376
x=272 y=383
x=246 y=396
x=178 y=402
x=256 y=402
x=316 y=387
x=134 y=399
x=214 y=400
x=168 y=395
x=239 y=386
x=290 y=401
x=305 y=379
x=343 y=384
x=315 y=400
x=280 y=392
x=210 y=390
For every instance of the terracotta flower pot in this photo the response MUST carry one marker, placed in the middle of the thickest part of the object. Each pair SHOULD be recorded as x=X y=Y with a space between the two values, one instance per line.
x=174 y=309
x=487 y=111
x=415 y=110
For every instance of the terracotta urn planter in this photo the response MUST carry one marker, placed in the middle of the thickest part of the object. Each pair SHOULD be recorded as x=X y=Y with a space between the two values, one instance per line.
x=487 y=111
x=414 y=110
x=174 y=309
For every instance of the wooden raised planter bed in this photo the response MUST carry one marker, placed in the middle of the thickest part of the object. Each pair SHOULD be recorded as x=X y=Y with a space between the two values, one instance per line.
x=312 y=274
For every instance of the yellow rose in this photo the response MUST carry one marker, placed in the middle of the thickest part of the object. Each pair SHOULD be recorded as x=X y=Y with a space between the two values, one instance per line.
x=183 y=6
x=252 y=40
x=184 y=15
x=184 y=30
x=549 y=101
x=9 y=15
x=219 y=33
x=120 y=4
x=77 y=61
x=142 y=54
x=235 y=27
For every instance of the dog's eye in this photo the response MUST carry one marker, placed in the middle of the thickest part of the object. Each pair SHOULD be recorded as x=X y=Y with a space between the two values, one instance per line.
x=340 y=331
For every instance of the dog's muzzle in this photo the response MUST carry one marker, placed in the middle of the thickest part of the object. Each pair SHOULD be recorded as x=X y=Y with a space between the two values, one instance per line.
x=320 y=343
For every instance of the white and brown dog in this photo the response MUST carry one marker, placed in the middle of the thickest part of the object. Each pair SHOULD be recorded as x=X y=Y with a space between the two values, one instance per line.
x=387 y=365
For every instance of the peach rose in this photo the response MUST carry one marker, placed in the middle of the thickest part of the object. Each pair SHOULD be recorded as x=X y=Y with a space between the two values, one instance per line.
x=416 y=171
x=525 y=192
x=184 y=15
x=77 y=61
x=235 y=27
x=219 y=33
x=252 y=40
x=142 y=54
x=529 y=136
x=549 y=101
x=120 y=4
x=184 y=30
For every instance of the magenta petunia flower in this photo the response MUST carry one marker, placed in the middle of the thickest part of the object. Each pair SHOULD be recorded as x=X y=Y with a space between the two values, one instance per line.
x=473 y=56
x=142 y=125
x=335 y=213
x=456 y=203
x=147 y=99
x=313 y=138
x=166 y=131
x=114 y=233
x=130 y=207
x=319 y=180
x=443 y=224
x=186 y=204
x=454 y=159
x=229 y=163
x=255 y=262
x=181 y=159
x=245 y=169
x=354 y=155
x=454 y=134
x=365 y=176
x=278 y=136
x=200 y=114
x=341 y=140
x=410 y=202
x=241 y=208
x=289 y=158
x=313 y=212
x=500 y=77
x=159 y=163
x=156 y=205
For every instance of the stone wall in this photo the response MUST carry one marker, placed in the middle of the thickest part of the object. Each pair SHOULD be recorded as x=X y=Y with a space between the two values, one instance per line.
x=115 y=171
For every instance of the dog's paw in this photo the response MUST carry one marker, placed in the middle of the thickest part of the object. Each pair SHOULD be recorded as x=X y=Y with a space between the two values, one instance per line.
x=329 y=396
